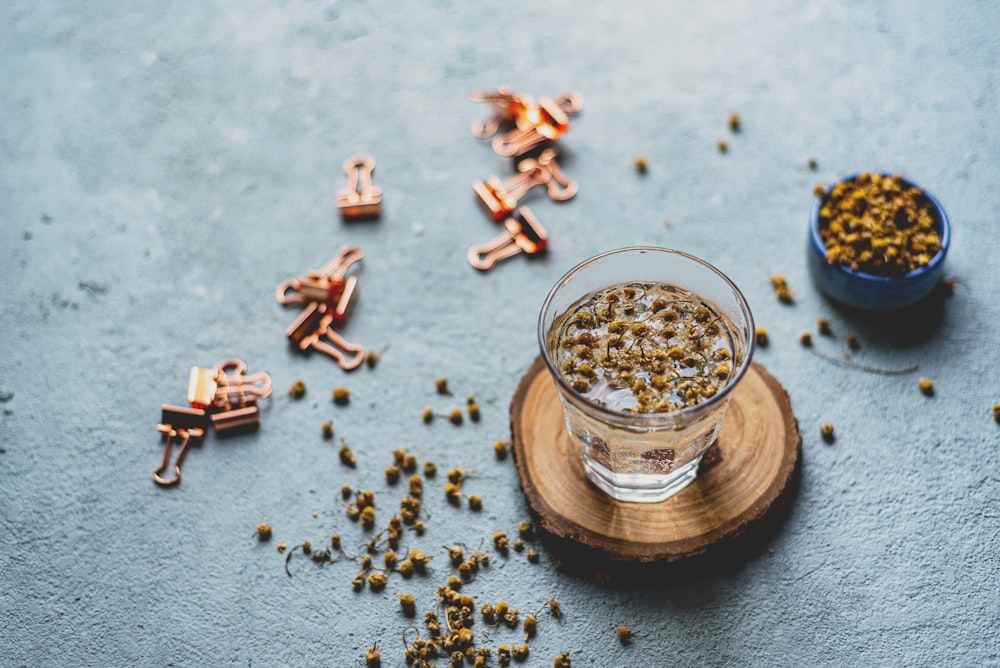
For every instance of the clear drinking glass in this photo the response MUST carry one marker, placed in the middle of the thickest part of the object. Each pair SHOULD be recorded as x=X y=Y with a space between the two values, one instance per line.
x=644 y=456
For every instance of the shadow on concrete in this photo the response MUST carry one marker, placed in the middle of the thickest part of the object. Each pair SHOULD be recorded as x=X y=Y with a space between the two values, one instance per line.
x=904 y=327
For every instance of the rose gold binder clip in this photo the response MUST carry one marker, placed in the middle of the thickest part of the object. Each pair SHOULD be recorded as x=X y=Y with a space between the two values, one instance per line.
x=518 y=109
x=222 y=397
x=312 y=331
x=523 y=234
x=325 y=285
x=361 y=199
x=500 y=197
x=505 y=105
x=328 y=295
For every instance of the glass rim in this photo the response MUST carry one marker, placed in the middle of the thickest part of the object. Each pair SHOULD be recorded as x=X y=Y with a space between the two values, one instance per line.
x=647 y=419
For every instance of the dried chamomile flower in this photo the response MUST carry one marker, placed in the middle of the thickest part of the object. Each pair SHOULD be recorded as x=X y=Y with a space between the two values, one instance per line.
x=327 y=430
x=455 y=417
x=781 y=290
x=430 y=469
x=345 y=492
x=427 y=415
x=372 y=359
x=640 y=164
x=625 y=635
x=500 y=540
x=392 y=474
x=377 y=581
x=805 y=338
x=473 y=412
x=456 y=554
x=996 y=412
x=533 y=555
x=453 y=492
x=263 y=531
x=500 y=450
x=926 y=386
x=555 y=608
x=734 y=122
x=761 y=334
x=347 y=457
x=282 y=546
x=853 y=343
x=562 y=660
x=475 y=502
x=416 y=485
x=372 y=657
x=408 y=604
x=441 y=384
x=826 y=431
x=341 y=396
x=722 y=145
x=823 y=326
x=297 y=390
x=419 y=559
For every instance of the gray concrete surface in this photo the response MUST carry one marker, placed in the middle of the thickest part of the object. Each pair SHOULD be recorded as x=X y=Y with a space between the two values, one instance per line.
x=165 y=165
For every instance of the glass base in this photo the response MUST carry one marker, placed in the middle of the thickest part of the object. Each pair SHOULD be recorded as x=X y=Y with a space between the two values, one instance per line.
x=640 y=487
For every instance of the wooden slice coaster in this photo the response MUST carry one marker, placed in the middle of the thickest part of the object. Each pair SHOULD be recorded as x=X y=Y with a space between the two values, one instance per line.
x=742 y=476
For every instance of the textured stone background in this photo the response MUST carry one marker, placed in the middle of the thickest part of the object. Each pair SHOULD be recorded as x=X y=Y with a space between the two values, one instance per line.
x=165 y=165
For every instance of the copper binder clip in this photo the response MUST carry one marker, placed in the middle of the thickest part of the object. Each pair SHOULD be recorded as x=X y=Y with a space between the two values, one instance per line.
x=312 y=331
x=500 y=198
x=361 y=199
x=328 y=297
x=327 y=284
x=223 y=397
x=505 y=104
x=524 y=234
x=508 y=107
x=537 y=126
x=176 y=421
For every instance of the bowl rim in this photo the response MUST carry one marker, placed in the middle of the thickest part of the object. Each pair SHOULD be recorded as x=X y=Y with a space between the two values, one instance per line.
x=944 y=230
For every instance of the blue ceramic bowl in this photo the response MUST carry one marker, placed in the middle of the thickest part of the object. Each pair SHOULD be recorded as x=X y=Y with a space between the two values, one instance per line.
x=870 y=291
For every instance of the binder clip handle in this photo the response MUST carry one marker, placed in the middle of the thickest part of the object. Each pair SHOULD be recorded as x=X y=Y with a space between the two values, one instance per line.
x=524 y=234
x=560 y=186
x=187 y=436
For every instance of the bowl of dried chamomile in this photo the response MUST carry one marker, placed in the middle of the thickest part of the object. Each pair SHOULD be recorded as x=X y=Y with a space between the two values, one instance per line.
x=877 y=241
